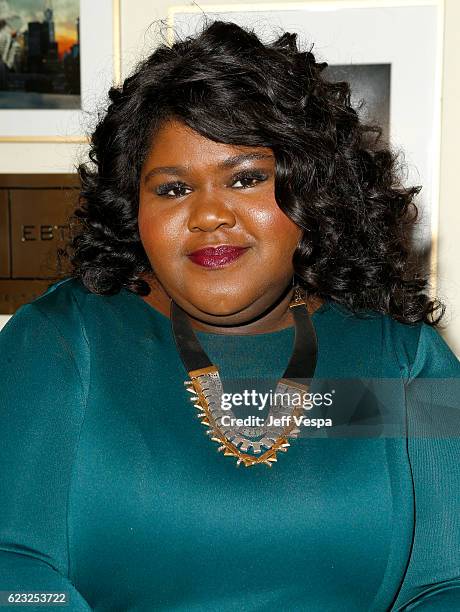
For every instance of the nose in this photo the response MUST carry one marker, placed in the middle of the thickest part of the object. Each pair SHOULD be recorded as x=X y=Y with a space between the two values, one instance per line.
x=209 y=213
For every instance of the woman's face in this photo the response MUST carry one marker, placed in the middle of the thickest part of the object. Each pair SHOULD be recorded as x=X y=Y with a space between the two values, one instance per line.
x=195 y=194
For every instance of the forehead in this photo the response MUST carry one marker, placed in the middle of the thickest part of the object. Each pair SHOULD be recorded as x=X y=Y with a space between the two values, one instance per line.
x=177 y=143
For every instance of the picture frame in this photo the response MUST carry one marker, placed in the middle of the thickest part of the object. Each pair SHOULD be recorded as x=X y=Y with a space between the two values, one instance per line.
x=400 y=41
x=100 y=37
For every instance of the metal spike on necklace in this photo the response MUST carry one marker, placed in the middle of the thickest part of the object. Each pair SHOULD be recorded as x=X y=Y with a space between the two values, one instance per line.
x=206 y=389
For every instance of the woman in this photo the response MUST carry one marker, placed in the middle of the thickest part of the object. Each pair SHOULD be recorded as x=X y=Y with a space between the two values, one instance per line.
x=228 y=172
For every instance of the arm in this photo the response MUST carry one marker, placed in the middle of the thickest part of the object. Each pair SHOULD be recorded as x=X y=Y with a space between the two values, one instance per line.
x=437 y=598
x=432 y=580
x=42 y=401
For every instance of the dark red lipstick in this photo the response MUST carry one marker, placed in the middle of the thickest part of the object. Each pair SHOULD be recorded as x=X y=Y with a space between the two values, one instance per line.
x=216 y=257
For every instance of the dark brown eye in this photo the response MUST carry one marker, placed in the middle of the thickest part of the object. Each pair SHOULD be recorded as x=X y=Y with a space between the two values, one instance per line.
x=249 y=179
x=166 y=188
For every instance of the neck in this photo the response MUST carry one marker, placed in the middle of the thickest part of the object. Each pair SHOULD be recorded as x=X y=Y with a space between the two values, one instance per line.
x=276 y=318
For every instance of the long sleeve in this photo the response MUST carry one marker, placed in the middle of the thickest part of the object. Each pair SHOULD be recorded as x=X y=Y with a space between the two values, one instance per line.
x=42 y=401
x=432 y=580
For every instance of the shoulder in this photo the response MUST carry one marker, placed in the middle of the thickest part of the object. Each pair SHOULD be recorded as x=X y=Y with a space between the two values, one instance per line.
x=421 y=350
x=58 y=308
x=418 y=349
x=89 y=322
x=49 y=329
x=434 y=357
x=63 y=297
x=71 y=307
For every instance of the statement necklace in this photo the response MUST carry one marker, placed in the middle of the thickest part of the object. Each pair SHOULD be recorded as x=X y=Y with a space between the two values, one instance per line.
x=206 y=389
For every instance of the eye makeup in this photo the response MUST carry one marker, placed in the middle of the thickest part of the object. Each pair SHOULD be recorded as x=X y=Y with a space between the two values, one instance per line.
x=243 y=175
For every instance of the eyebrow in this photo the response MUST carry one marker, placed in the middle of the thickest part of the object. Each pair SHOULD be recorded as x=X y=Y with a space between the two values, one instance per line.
x=230 y=162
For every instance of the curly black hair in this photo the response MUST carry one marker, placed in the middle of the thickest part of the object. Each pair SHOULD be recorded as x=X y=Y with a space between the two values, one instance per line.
x=334 y=176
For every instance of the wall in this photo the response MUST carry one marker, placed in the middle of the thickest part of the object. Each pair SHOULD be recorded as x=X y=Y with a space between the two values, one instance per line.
x=137 y=40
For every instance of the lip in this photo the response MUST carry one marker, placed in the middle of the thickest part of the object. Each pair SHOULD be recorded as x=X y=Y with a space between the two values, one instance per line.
x=217 y=257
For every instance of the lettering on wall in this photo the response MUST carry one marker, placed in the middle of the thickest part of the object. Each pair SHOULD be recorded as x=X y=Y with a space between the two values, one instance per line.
x=34 y=222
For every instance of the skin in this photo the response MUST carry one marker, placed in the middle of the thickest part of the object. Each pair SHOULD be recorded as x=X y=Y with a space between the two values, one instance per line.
x=211 y=207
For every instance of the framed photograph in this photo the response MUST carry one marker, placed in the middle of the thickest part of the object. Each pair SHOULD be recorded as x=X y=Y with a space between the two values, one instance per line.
x=58 y=59
x=391 y=54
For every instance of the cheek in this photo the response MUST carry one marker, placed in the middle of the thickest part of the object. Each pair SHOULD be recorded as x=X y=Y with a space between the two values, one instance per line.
x=158 y=232
x=274 y=230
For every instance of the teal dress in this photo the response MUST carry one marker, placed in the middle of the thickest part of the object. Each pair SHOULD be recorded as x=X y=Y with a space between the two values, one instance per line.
x=111 y=492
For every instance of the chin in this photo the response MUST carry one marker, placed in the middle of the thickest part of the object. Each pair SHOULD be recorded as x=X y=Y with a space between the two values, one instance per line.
x=219 y=306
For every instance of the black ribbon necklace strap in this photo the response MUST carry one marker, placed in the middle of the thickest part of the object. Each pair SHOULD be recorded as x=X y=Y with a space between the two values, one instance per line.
x=302 y=364
x=192 y=354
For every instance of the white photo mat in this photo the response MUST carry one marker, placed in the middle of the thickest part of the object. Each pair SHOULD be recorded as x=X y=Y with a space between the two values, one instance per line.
x=99 y=68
